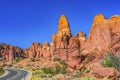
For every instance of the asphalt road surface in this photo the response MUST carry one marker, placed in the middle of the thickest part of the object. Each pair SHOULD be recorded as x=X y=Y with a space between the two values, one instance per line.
x=15 y=74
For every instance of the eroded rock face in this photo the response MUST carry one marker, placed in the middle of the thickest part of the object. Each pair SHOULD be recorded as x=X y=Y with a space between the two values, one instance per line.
x=61 y=38
x=103 y=72
x=101 y=35
x=115 y=44
x=35 y=51
x=8 y=52
x=67 y=46
x=64 y=27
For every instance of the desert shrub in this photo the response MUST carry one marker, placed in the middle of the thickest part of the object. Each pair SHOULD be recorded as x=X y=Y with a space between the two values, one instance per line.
x=34 y=78
x=112 y=61
x=61 y=61
x=10 y=65
x=4 y=65
x=32 y=59
x=60 y=69
x=77 y=74
x=2 y=71
x=89 y=58
x=47 y=70
x=87 y=78
x=17 y=59
x=1 y=59
x=36 y=72
x=105 y=78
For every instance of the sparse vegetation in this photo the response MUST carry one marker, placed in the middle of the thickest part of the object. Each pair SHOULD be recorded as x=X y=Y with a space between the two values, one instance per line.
x=59 y=60
x=32 y=59
x=90 y=58
x=87 y=78
x=2 y=71
x=17 y=59
x=112 y=61
x=47 y=70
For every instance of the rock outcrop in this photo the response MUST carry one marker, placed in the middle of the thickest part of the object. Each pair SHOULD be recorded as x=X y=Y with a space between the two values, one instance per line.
x=34 y=51
x=103 y=34
x=9 y=52
x=61 y=38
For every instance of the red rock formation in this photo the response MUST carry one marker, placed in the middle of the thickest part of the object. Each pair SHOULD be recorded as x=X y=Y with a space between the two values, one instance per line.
x=35 y=51
x=103 y=72
x=9 y=52
x=64 y=33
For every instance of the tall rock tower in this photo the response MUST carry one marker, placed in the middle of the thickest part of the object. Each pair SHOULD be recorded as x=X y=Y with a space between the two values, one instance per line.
x=63 y=26
x=61 y=38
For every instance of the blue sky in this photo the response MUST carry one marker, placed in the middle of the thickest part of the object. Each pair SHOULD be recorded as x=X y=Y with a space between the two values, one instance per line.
x=25 y=21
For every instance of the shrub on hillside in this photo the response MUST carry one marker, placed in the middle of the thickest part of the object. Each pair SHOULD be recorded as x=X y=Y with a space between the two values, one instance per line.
x=90 y=58
x=47 y=70
x=2 y=71
x=112 y=60
x=61 y=61
x=86 y=78
x=60 y=69
x=32 y=59
x=17 y=59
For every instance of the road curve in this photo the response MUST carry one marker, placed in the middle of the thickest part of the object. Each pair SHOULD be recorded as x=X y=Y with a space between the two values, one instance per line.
x=15 y=74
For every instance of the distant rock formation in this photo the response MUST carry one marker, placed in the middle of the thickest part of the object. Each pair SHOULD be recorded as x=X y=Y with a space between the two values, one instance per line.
x=9 y=52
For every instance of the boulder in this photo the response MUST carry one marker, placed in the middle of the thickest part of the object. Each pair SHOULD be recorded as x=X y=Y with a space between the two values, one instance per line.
x=105 y=72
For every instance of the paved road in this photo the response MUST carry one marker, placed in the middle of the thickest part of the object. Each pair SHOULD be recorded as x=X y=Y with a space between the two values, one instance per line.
x=15 y=74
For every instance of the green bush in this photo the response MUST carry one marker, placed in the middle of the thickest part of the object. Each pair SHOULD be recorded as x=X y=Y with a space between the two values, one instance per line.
x=112 y=61
x=87 y=78
x=2 y=71
x=90 y=58
x=47 y=70
x=60 y=69
x=17 y=59
x=32 y=59
x=61 y=61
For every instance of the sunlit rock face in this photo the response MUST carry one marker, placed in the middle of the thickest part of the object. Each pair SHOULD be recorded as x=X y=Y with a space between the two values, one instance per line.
x=35 y=51
x=63 y=26
x=9 y=52
x=61 y=38
x=103 y=34
x=66 y=46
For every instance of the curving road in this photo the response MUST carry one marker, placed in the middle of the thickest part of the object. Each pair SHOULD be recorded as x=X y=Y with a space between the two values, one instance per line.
x=15 y=74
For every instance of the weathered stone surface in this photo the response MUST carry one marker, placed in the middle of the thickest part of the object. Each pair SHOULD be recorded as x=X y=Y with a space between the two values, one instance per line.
x=35 y=51
x=61 y=38
x=115 y=44
x=46 y=45
x=101 y=32
x=64 y=28
x=103 y=72
x=9 y=52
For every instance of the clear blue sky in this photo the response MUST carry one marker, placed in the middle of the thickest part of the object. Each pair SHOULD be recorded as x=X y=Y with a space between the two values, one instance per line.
x=25 y=21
